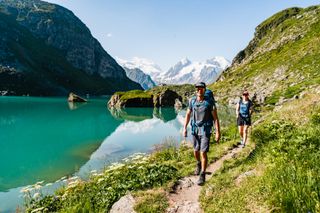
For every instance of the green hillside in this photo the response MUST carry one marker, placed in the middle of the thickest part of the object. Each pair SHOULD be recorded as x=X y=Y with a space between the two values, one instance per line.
x=279 y=170
x=281 y=61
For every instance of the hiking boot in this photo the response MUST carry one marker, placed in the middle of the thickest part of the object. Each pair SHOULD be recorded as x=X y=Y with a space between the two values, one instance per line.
x=202 y=178
x=198 y=168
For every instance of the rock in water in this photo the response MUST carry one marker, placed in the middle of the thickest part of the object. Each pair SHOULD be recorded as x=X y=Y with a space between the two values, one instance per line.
x=75 y=98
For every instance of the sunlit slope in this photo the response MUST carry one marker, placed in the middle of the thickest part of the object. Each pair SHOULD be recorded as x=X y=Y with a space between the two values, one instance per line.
x=280 y=62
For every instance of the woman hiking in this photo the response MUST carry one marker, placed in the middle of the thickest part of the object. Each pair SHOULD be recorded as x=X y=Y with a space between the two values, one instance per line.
x=243 y=112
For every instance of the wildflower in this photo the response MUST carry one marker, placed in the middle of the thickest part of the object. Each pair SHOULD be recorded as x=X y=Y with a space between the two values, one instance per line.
x=73 y=178
x=37 y=186
x=37 y=210
x=36 y=196
x=73 y=184
x=25 y=190
x=100 y=180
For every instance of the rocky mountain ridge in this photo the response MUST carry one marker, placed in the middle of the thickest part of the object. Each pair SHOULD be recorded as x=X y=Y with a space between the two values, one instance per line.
x=137 y=75
x=55 y=52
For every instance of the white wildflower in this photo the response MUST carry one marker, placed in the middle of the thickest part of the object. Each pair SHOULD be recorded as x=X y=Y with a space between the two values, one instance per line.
x=25 y=190
x=37 y=210
x=36 y=196
x=73 y=184
x=73 y=178
x=37 y=186
x=100 y=180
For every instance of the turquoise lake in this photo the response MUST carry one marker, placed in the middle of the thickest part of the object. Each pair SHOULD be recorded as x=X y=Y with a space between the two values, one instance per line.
x=44 y=139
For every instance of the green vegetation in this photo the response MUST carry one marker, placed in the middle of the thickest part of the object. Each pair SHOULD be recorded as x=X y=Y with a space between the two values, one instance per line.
x=151 y=201
x=168 y=162
x=281 y=173
x=102 y=190
x=161 y=169
x=134 y=94
x=280 y=61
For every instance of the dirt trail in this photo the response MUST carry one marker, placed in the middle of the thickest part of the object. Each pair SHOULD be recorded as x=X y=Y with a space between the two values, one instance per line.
x=185 y=197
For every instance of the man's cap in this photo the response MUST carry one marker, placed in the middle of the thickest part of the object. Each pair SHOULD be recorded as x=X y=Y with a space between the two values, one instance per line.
x=200 y=84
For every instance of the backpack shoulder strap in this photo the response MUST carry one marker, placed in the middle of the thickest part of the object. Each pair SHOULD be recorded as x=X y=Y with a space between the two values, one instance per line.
x=193 y=101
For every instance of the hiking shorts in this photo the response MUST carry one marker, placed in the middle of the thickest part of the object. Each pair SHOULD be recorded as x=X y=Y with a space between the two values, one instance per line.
x=201 y=142
x=244 y=121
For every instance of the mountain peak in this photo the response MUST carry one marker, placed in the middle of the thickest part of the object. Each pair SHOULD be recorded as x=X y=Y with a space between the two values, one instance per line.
x=219 y=61
x=186 y=71
x=148 y=66
x=184 y=61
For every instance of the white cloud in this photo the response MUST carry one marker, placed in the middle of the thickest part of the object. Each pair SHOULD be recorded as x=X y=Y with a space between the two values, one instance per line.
x=135 y=127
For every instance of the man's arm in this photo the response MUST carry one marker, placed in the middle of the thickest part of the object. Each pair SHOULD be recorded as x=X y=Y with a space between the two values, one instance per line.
x=237 y=110
x=216 y=123
x=186 y=122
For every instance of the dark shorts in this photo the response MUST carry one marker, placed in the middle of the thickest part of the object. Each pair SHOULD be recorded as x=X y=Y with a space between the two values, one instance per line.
x=244 y=121
x=201 y=142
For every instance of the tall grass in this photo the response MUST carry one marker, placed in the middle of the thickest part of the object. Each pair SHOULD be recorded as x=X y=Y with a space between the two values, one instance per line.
x=281 y=174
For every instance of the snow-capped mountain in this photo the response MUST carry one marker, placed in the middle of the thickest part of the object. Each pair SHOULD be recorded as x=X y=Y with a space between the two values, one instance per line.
x=146 y=65
x=189 y=72
x=140 y=77
x=140 y=70
x=183 y=72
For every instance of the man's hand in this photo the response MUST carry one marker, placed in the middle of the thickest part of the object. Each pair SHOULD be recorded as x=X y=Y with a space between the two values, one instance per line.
x=185 y=132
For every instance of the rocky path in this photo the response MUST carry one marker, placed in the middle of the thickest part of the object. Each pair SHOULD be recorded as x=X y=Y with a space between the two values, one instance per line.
x=185 y=197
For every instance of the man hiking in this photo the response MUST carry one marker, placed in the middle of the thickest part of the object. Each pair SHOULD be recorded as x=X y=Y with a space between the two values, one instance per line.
x=203 y=113
x=243 y=112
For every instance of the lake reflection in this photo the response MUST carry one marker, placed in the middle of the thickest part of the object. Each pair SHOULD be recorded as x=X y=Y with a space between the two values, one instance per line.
x=48 y=138
x=139 y=114
x=141 y=130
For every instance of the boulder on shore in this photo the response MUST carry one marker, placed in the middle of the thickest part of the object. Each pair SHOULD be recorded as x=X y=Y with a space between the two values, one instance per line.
x=75 y=98
x=165 y=98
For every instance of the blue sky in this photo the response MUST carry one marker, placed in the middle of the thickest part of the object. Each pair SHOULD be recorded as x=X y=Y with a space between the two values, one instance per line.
x=166 y=31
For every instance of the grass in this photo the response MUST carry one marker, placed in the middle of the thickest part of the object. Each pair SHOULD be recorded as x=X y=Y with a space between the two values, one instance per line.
x=279 y=172
x=154 y=201
x=103 y=189
x=148 y=177
x=134 y=94
x=289 y=43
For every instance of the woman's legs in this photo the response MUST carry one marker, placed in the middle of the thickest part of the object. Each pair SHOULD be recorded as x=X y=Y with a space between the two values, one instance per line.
x=241 y=132
x=245 y=134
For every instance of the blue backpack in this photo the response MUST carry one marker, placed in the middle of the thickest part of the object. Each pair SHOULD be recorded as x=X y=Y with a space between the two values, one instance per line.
x=209 y=100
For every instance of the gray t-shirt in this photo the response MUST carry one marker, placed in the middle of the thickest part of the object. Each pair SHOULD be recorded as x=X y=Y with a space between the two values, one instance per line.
x=202 y=110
